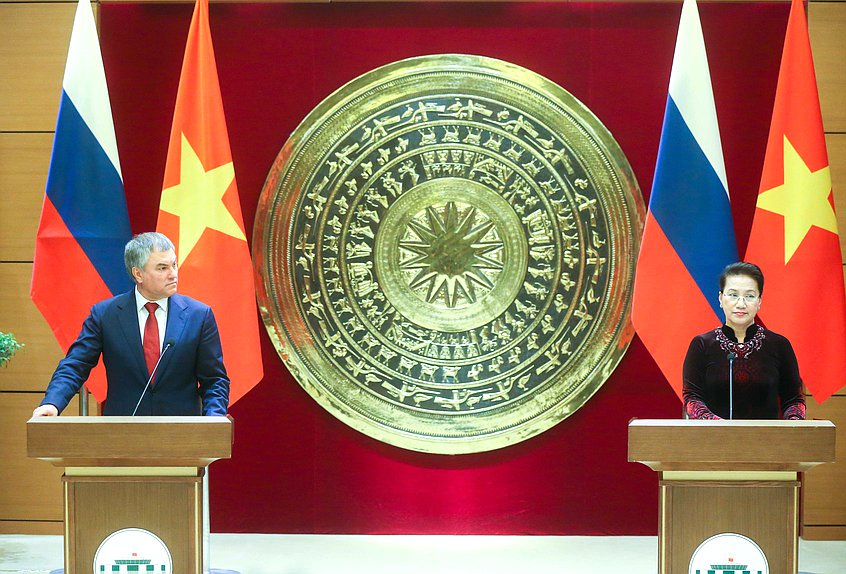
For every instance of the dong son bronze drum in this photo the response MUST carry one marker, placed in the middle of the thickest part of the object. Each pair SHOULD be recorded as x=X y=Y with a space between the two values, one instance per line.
x=445 y=250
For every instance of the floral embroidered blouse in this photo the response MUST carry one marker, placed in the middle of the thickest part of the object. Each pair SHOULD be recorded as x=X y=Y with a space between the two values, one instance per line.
x=766 y=376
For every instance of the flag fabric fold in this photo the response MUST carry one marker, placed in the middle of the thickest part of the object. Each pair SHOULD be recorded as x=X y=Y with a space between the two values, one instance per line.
x=84 y=222
x=794 y=237
x=201 y=212
x=689 y=236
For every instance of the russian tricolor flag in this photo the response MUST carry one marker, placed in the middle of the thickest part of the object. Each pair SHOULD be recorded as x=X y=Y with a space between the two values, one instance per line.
x=84 y=222
x=689 y=236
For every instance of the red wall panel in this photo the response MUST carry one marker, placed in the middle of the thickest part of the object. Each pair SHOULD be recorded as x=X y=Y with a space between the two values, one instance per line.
x=295 y=468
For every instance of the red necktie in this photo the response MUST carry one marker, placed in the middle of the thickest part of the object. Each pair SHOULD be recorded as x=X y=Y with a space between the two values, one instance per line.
x=151 y=337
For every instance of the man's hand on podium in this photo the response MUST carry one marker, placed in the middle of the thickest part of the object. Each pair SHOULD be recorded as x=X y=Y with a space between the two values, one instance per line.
x=45 y=411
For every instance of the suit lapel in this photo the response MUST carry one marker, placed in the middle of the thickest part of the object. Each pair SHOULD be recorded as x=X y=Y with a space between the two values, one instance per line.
x=128 y=319
x=176 y=319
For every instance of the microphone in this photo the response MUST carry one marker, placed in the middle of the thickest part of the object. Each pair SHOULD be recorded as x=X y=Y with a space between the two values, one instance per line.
x=731 y=357
x=168 y=344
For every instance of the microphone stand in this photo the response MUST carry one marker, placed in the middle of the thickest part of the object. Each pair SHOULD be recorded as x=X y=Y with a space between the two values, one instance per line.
x=167 y=346
x=731 y=357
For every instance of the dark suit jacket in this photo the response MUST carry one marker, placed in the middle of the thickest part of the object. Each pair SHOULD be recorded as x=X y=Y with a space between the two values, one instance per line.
x=191 y=378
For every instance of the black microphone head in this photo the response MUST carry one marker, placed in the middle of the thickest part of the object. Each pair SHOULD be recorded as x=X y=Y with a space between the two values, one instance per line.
x=170 y=343
x=731 y=356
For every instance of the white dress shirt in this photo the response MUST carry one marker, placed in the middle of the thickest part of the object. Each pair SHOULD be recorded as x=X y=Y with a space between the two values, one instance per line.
x=161 y=316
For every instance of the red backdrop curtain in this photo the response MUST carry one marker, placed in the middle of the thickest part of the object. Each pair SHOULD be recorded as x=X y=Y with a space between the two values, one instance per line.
x=295 y=468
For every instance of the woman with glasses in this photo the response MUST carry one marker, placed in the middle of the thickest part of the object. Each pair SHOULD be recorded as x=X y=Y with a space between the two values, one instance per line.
x=766 y=382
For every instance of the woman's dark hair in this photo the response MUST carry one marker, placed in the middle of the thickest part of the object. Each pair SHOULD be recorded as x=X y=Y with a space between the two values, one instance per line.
x=745 y=269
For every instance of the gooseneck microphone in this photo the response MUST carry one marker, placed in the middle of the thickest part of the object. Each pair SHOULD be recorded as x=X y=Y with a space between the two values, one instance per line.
x=731 y=357
x=168 y=344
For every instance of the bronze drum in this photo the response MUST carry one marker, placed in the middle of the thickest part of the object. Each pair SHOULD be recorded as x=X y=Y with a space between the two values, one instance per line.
x=445 y=250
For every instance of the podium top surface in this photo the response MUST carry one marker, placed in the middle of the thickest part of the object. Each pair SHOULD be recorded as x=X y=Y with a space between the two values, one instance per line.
x=686 y=423
x=129 y=441
x=675 y=444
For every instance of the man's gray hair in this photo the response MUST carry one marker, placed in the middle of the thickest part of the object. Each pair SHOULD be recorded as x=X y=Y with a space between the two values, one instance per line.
x=138 y=249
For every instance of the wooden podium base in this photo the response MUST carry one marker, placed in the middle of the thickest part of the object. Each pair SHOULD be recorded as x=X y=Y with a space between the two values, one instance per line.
x=695 y=506
x=729 y=490
x=135 y=483
x=164 y=501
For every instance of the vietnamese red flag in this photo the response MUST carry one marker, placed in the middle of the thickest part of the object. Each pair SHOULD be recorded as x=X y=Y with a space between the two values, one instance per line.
x=201 y=212
x=794 y=235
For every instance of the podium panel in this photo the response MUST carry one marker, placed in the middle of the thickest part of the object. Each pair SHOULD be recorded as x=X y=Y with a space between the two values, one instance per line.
x=168 y=507
x=731 y=480
x=132 y=488
x=765 y=511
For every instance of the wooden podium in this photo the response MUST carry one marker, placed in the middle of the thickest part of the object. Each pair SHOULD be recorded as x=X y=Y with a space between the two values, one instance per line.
x=131 y=472
x=736 y=477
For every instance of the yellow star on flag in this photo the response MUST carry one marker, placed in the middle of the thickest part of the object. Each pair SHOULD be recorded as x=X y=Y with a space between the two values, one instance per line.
x=802 y=199
x=198 y=200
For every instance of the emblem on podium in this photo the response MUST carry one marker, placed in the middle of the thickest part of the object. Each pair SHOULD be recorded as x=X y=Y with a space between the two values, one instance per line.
x=133 y=550
x=728 y=553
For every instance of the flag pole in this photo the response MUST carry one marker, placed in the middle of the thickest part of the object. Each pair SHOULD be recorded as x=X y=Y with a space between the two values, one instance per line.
x=83 y=401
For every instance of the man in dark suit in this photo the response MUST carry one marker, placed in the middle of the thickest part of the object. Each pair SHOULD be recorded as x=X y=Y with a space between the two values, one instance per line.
x=190 y=378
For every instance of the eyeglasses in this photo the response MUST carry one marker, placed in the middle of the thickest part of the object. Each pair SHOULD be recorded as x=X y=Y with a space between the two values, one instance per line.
x=735 y=297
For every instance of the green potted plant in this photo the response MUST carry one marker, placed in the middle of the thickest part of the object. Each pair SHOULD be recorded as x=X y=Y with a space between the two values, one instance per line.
x=8 y=347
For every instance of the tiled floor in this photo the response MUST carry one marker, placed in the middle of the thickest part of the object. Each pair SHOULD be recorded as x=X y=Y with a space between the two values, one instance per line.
x=306 y=554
